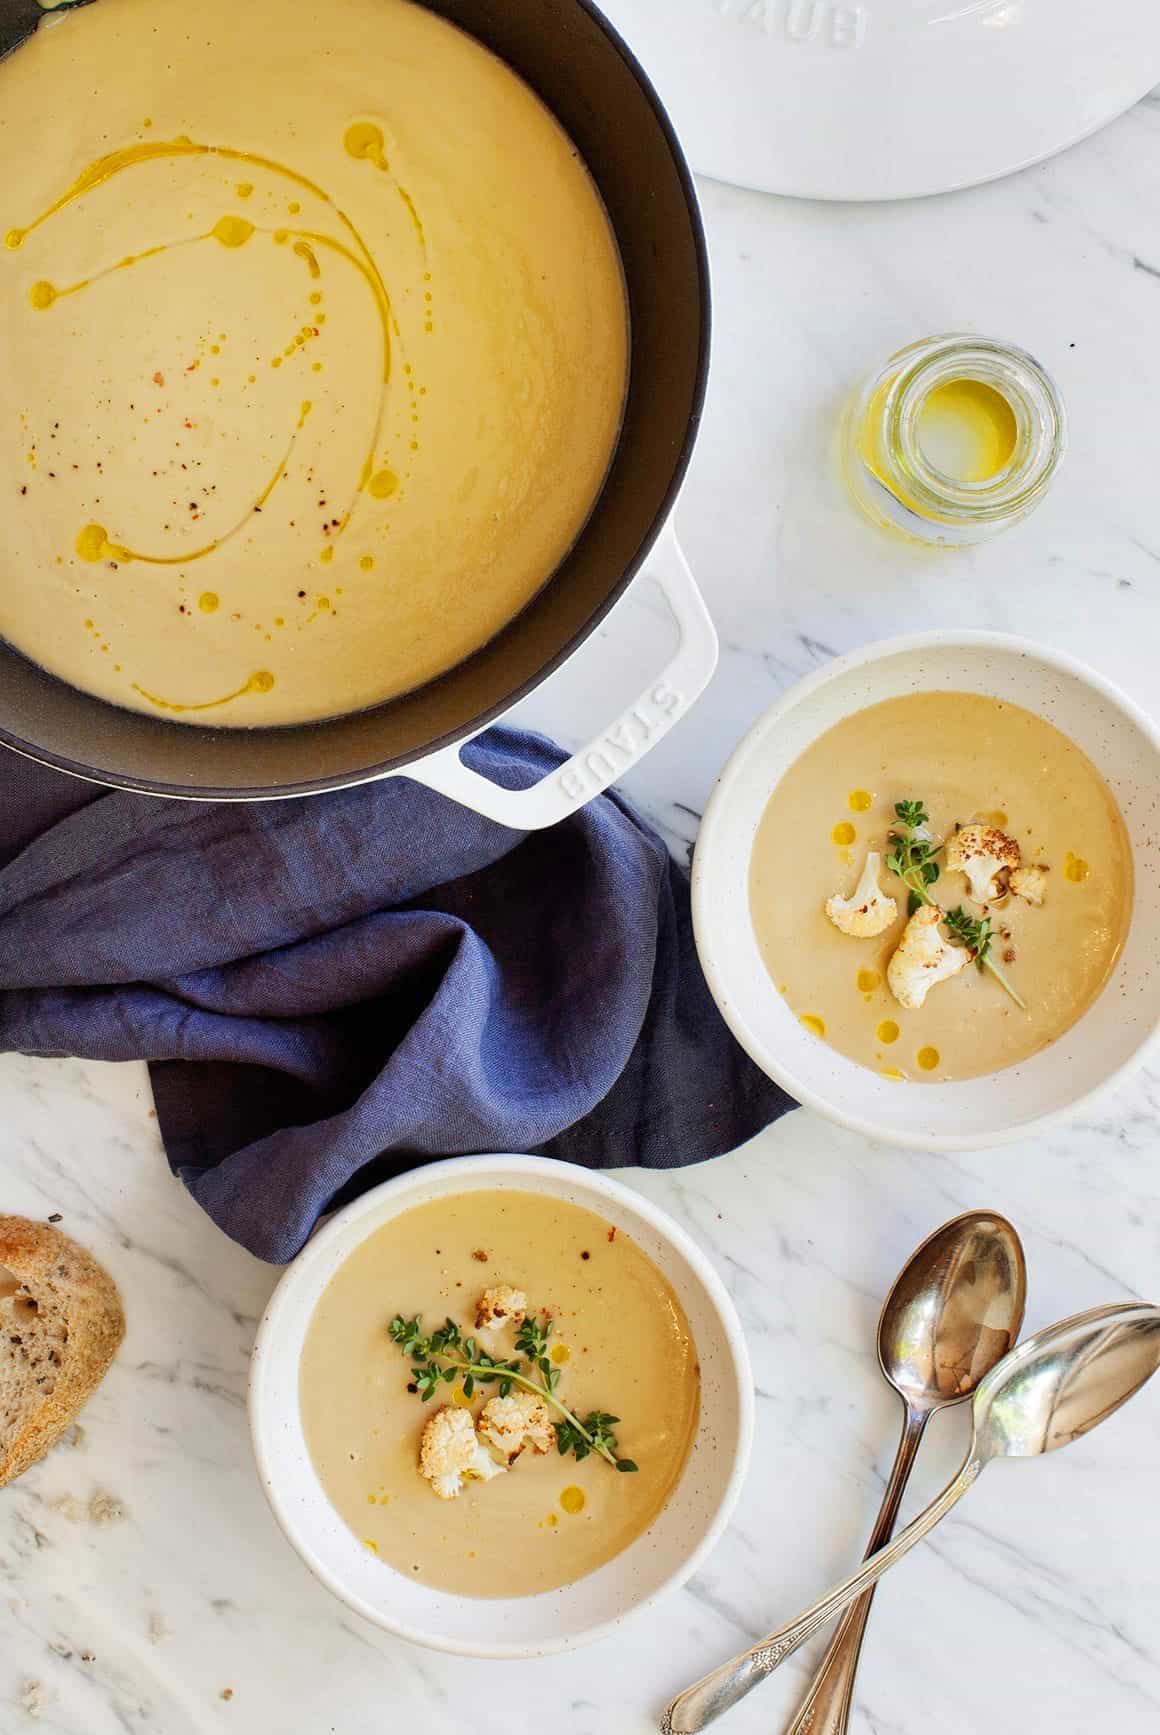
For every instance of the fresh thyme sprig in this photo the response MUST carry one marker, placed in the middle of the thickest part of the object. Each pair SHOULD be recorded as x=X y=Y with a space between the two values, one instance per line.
x=430 y=1371
x=912 y=857
x=532 y=1342
x=977 y=935
x=434 y=1365
x=599 y=1436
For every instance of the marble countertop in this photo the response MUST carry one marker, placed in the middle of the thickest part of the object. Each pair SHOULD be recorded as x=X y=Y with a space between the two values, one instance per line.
x=1036 y=1607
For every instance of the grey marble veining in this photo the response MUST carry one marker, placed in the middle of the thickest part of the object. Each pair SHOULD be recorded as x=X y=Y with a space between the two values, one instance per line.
x=1037 y=1606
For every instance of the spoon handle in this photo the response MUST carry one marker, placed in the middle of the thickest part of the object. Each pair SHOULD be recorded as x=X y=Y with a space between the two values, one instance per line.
x=698 y=1706
x=825 y=1709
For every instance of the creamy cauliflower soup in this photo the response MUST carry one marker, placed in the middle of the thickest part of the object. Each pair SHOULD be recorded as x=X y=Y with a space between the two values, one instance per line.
x=940 y=886
x=563 y=1444
x=317 y=347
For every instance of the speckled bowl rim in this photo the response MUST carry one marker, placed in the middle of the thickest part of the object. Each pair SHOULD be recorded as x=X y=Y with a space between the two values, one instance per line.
x=709 y=897
x=311 y=1271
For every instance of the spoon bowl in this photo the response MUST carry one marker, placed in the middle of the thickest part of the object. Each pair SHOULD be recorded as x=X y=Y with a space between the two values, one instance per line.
x=954 y=1311
x=1065 y=1380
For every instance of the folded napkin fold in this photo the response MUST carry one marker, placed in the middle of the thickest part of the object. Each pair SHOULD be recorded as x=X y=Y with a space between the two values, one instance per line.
x=331 y=990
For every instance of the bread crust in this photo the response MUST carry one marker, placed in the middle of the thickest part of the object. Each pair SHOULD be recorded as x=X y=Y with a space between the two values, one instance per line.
x=58 y=1275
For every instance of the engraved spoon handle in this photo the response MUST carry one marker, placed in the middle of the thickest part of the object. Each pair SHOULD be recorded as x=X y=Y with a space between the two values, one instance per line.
x=700 y=1705
x=825 y=1709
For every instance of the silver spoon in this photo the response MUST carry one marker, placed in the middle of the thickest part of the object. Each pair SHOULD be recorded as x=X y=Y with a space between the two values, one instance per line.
x=956 y=1309
x=1054 y=1388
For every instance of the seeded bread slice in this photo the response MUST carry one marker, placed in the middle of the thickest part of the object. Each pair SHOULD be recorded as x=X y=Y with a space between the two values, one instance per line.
x=60 y=1324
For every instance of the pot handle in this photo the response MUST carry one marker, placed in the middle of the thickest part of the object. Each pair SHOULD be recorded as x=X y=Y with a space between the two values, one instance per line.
x=590 y=771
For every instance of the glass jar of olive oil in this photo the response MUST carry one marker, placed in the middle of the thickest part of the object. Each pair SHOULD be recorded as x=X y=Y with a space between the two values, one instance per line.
x=954 y=439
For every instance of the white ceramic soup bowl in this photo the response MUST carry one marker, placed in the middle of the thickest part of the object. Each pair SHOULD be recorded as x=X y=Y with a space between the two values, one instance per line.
x=658 y=1561
x=1101 y=1047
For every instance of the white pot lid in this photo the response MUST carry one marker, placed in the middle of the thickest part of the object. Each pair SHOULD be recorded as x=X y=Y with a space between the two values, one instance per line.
x=888 y=99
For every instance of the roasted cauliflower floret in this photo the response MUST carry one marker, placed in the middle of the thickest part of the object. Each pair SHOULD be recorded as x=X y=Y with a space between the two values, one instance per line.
x=499 y=1306
x=450 y=1453
x=870 y=910
x=1029 y=883
x=517 y=1421
x=982 y=852
x=923 y=958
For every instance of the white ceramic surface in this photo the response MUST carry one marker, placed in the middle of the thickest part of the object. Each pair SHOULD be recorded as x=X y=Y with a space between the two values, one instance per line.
x=887 y=99
x=1100 y=1047
x=672 y=690
x=594 y=1606
x=1049 y=1572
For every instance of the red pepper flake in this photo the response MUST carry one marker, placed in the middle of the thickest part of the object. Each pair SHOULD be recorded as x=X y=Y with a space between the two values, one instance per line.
x=192 y=366
x=187 y=423
x=159 y=378
x=612 y=1234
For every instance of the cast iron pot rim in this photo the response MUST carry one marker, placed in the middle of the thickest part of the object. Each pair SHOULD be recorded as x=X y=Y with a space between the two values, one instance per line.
x=371 y=773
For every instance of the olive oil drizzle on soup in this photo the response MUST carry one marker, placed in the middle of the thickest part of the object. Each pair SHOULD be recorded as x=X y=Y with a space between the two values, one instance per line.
x=621 y=1341
x=318 y=349
x=968 y=757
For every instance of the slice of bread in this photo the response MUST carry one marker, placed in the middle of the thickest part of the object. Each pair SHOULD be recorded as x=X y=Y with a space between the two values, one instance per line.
x=60 y=1324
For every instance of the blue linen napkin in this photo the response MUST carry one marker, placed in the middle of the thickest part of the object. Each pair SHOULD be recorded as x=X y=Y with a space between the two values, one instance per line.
x=331 y=990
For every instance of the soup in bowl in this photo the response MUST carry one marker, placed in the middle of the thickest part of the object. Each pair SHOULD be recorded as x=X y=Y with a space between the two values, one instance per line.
x=924 y=890
x=499 y=1404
